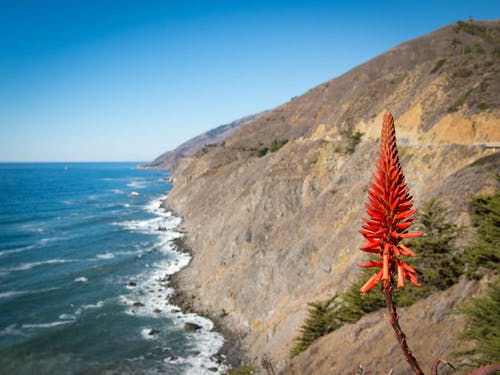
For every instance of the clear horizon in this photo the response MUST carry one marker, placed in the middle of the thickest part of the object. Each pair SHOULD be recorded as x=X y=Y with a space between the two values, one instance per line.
x=114 y=81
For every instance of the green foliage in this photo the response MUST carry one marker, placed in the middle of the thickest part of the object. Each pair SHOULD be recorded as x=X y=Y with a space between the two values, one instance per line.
x=488 y=34
x=317 y=324
x=483 y=106
x=247 y=370
x=350 y=139
x=441 y=264
x=484 y=325
x=436 y=257
x=459 y=102
x=275 y=146
x=353 y=138
x=327 y=316
x=485 y=251
x=261 y=151
x=438 y=66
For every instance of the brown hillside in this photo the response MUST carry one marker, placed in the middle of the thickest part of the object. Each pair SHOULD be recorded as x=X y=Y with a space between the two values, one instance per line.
x=271 y=233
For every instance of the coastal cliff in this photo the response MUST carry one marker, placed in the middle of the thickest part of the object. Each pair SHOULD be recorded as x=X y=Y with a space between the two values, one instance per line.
x=272 y=214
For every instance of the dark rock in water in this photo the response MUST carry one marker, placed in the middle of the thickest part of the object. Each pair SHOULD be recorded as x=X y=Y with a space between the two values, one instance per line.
x=138 y=304
x=132 y=284
x=191 y=327
x=173 y=358
x=153 y=332
x=217 y=358
x=213 y=369
x=162 y=229
x=157 y=311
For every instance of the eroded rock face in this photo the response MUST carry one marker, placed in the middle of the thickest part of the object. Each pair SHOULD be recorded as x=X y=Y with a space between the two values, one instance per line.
x=271 y=233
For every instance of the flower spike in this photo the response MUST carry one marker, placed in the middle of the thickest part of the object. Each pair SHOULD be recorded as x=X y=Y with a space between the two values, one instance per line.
x=390 y=214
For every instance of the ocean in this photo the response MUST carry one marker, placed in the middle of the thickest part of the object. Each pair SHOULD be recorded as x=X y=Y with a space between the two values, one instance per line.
x=84 y=267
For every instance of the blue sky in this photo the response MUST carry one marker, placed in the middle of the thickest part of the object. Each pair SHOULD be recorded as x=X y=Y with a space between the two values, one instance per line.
x=87 y=80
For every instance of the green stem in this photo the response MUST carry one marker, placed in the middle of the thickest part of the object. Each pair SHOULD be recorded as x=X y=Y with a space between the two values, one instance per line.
x=394 y=320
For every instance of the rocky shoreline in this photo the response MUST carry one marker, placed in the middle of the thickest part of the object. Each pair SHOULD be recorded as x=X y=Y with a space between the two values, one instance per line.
x=232 y=351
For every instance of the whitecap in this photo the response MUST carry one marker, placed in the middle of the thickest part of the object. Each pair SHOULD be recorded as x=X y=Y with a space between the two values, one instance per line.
x=22 y=292
x=137 y=184
x=67 y=316
x=149 y=334
x=81 y=279
x=93 y=306
x=12 y=293
x=105 y=256
x=40 y=243
x=46 y=325
x=117 y=191
x=12 y=330
x=18 y=250
x=28 y=266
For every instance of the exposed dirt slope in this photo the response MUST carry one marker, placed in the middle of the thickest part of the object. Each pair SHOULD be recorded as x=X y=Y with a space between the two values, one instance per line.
x=271 y=233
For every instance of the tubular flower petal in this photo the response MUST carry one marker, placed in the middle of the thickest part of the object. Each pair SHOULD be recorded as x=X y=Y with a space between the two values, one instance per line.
x=370 y=264
x=372 y=281
x=390 y=214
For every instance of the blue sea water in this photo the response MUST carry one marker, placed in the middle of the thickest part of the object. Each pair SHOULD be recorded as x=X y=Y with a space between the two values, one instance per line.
x=83 y=274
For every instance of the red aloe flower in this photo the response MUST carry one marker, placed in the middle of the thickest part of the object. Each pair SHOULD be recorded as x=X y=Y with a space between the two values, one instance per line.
x=390 y=214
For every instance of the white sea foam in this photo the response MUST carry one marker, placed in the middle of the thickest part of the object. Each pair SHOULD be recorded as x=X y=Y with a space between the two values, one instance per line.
x=67 y=316
x=13 y=293
x=148 y=334
x=79 y=311
x=28 y=266
x=46 y=325
x=81 y=279
x=105 y=256
x=12 y=330
x=149 y=297
x=157 y=225
x=117 y=191
x=38 y=244
x=137 y=184
x=93 y=306
x=18 y=250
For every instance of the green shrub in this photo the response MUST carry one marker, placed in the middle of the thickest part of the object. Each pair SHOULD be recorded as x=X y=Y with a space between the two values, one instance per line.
x=436 y=257
x=247 y=370
x=441 y=264
x=261 y=151
x=483 y=325
x=438 y=66
x=277 y=144
x=485 y=251
x=483 y=106
x=490 y=35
